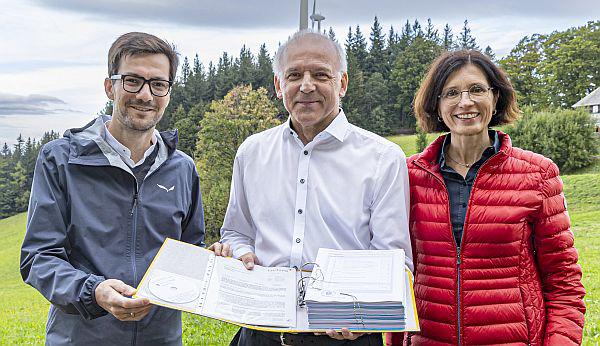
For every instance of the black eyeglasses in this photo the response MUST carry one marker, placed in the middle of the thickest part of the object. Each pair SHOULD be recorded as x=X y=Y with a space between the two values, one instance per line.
x=133 y=84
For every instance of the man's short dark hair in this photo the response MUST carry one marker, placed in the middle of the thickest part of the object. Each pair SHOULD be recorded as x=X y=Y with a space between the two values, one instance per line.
x=426 y=104
x=139 y=43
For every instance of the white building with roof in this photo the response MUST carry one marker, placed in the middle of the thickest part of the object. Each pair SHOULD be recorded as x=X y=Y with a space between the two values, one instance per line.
x=591 y=102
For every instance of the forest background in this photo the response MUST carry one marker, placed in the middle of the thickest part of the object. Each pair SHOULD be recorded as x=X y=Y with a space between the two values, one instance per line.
x=549 y=71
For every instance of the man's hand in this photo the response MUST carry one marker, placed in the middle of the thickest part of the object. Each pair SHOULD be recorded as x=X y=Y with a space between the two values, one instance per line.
x=113 y=296
x=344 y=335
x=249 y=259
x=221 y=249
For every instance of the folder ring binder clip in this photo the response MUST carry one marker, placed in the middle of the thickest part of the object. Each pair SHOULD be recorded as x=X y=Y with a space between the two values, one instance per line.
x=316 y=283
x=302 y=283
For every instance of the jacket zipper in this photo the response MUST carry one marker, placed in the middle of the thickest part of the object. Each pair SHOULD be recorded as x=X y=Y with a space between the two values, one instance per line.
x=133 y=245
x=458 y=261
x=458 y=287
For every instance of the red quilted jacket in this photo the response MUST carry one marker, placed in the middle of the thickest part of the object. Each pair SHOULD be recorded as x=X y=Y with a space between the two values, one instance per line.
x=515 y=279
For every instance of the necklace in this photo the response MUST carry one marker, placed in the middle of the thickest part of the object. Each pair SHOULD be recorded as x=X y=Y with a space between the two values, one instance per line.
x=467 y=165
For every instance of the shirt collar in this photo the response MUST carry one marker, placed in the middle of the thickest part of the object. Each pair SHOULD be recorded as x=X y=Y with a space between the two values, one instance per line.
x=123 y=151
x=495 y=147
x=337 y=128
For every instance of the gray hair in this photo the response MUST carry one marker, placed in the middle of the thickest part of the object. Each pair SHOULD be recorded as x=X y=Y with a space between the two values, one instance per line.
x=341 y=54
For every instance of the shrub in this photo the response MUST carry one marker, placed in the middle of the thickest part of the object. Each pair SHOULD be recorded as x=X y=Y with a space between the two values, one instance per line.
x=227 y=123
x=565 y=136
x=421 y=141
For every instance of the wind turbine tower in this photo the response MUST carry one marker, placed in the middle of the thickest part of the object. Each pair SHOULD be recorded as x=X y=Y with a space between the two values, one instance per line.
x=303 y=14
x=316 y=17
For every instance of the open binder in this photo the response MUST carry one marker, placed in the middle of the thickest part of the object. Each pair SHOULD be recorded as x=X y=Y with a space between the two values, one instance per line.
x=192 y=279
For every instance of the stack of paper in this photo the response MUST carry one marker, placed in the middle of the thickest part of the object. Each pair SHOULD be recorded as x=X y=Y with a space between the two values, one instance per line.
x=357 y=289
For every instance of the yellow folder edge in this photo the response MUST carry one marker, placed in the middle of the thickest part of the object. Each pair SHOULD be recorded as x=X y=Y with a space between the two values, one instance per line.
x=270 y=329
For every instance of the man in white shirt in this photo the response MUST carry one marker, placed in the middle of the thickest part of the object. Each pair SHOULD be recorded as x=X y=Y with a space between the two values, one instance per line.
x=314 y=181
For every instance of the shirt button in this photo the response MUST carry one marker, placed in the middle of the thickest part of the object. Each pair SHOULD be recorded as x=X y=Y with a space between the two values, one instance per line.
x=299 y=211
x=298 y=240
x=305 y=152
x=464 y=205
x=302 y=181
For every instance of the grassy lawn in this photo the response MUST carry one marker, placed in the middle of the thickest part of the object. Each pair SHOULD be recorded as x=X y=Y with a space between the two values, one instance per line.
x=23 y=310
x=408 y=142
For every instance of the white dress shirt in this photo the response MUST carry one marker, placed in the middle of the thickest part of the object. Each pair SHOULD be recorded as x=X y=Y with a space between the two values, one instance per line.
x=346 y=189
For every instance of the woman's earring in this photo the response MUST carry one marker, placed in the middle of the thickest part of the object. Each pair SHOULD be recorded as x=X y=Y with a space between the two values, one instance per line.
x=440 y=119
x=494 y=112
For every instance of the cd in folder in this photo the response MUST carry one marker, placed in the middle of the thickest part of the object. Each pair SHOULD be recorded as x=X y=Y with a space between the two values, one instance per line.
x=173 y=288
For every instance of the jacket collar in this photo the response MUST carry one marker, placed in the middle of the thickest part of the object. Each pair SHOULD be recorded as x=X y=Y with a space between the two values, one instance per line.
x=88 y=147
x=429 y=157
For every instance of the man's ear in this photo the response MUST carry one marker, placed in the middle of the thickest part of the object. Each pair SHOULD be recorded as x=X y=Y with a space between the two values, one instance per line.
x=276 y=82
x=108 y=89
x=344 y=82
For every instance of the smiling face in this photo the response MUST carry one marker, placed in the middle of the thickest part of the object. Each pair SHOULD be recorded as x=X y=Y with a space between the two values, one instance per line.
x=467 y=117
x=311 y=85
x=139 y=111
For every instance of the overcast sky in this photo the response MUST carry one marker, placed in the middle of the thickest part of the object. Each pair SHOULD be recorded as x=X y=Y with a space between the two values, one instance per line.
x=53 y=52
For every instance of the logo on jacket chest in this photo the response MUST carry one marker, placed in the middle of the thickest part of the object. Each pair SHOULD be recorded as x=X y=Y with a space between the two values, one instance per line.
x=165 y=188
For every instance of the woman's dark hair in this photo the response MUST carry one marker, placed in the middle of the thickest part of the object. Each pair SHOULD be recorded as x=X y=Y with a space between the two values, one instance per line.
x=426 y=103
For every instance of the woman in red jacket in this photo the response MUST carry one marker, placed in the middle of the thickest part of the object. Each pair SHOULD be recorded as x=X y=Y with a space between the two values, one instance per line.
x=493 y=252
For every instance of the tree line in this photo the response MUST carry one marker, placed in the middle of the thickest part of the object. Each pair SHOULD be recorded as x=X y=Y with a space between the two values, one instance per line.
x=16 y=172
x=385 y=69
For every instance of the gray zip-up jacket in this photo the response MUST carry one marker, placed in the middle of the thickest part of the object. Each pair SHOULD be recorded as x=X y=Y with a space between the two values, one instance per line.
x=90 y=220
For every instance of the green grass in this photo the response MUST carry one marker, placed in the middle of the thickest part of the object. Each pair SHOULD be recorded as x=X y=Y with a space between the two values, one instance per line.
x=408 y=142
x=23 y=310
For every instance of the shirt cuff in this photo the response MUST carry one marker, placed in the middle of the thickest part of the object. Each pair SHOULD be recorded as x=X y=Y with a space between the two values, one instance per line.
x=242 y=250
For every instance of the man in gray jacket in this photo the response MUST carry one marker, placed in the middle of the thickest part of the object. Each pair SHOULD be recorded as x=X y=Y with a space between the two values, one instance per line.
x=104 y=198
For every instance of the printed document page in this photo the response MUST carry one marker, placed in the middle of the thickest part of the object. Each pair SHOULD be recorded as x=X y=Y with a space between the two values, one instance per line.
x=370 y=276
x=261 y=296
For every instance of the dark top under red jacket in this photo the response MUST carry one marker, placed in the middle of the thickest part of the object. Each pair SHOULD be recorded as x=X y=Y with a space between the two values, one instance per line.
x=516 y=279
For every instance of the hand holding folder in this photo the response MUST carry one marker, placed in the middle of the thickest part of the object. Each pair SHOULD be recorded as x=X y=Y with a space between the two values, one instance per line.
x=189 y=278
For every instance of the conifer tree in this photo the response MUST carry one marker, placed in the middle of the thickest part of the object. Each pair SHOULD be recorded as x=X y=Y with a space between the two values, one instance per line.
x=431 y=32
x=331 y=34
x=489 y=53
x=185 y=71
x=416 y=28
x=408 y=71
x=466 y=40
x=375 y=101
x=245 y=72
x=264 y=75
x=448 y=38
x=376 y=61
x=359 y=48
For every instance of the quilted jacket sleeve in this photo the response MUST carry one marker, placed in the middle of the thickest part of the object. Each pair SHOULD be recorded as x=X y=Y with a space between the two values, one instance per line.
x=557 y=263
